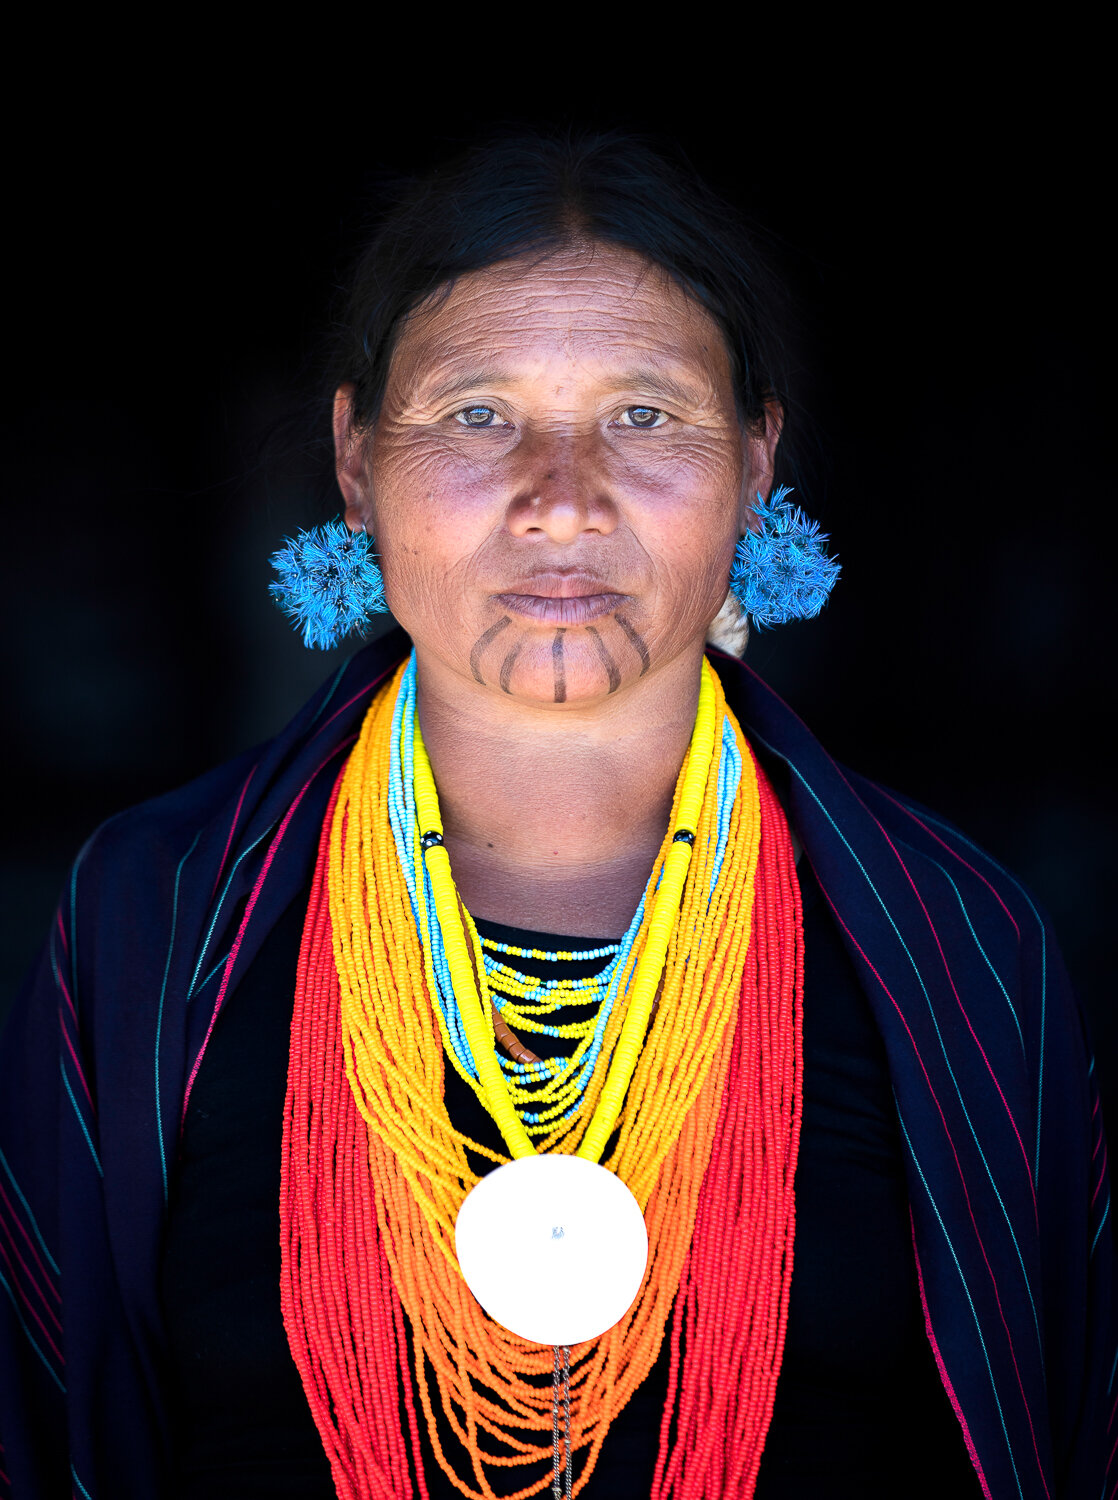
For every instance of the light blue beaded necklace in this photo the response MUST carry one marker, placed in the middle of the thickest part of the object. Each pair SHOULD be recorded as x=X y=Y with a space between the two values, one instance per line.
x=537 y=996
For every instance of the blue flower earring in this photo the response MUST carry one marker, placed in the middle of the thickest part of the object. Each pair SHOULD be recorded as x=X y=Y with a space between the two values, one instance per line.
x=329 y=583
x=782 y=572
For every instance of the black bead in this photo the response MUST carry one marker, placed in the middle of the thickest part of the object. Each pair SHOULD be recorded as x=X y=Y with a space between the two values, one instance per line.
x=683 y=837
x=429 y=840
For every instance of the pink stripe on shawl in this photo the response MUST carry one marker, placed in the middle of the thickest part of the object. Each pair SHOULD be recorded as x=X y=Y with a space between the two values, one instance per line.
x=1102 y=1177
x=74 y=1056
x=943 y=1375
x=966 y=1018
x=249 y=908
x=368 y=688
x=55 y=1293
x=232 y=830
x=962 y=1180
x=955 y=855
x=29 y=1309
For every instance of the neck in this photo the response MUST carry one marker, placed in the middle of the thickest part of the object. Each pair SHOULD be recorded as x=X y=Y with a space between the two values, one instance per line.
x=553 y=817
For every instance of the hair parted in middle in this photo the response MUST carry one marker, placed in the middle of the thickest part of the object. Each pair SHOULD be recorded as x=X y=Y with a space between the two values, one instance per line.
x=531 y=193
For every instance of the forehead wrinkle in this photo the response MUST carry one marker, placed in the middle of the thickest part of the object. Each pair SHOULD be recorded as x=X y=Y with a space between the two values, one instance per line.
x=644 y=379
x=538 y=325
x=559 y=294
x=453 y=385
x=427 y=388
x=660 y=382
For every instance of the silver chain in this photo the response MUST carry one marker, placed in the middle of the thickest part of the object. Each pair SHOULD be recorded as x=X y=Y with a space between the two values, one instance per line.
x=561 y=1477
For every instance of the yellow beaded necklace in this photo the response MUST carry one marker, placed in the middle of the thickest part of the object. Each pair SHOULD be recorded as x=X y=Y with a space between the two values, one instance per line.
x=492 y=1386
x=693 y=939
x=498 y=1100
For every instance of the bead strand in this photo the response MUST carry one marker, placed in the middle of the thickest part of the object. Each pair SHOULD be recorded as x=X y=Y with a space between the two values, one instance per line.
x=374 y=1171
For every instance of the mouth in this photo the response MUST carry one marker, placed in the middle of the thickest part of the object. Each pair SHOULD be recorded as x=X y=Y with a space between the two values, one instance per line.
x=561 y=598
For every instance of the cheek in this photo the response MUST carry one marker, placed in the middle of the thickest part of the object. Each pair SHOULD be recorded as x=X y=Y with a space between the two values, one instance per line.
x=688 y=510
x=692 y=546
x=428 y=522
x=697 y=539
x=428 y=581
x=422 y=463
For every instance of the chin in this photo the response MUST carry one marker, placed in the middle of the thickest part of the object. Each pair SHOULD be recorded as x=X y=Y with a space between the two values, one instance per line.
x=557 y=667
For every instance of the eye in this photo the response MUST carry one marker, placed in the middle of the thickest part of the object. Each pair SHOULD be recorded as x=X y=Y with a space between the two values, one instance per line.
x=476 y=416
x=643 y=416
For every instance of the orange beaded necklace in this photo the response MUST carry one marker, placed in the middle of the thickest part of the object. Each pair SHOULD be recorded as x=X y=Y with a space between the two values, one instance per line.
x=374 y=1173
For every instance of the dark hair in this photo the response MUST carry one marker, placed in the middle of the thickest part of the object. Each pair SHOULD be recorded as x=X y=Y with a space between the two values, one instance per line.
x=534 y=193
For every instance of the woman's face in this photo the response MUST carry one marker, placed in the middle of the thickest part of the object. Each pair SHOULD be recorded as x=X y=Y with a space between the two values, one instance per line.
x=557 y=477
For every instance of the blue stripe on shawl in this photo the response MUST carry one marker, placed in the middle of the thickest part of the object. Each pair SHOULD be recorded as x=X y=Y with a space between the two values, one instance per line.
x=970 y=1300
x=47 y=1366
x=954 y=833
x=974 y=1134
x=985 y=956
x=30 y=1216
x=159 y=1016
x=219 y=908
x=78 y=1113
x=1102 y=1221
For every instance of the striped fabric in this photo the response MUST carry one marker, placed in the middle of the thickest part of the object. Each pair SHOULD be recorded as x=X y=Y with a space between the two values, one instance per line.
x=169 y=902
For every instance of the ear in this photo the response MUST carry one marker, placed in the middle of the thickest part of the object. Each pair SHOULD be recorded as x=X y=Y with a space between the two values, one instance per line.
x=350 y=461
x=758 y=464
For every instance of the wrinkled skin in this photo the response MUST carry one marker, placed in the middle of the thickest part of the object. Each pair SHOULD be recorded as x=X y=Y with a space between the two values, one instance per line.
x=556 y=482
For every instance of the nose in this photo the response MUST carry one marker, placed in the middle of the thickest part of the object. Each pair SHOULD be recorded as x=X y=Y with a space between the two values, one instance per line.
x=562 y=493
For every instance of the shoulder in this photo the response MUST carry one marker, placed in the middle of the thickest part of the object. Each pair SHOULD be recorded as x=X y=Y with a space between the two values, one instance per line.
x=935 y=922
x=156 y=827
x=939 y=845
x=216 y=812
x=878 y=844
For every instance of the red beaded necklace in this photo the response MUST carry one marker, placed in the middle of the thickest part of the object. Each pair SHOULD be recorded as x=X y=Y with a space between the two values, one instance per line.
x=339 y=1287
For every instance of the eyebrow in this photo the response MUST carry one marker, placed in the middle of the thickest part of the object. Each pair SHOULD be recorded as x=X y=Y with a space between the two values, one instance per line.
x=643 y=378
x=453 y=386
x=659 y=382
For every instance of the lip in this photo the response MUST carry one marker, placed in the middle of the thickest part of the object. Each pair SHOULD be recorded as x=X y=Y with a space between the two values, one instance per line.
x=550 y=609
x=561 y=598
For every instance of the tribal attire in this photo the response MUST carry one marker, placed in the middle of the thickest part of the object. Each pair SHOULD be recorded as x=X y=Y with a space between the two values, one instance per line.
x=169 y=904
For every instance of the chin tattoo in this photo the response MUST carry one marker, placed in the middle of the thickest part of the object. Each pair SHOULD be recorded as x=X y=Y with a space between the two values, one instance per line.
x=508 y=664
x=602 y=649
x=483 y=640
x=613 y=674
x=637 y=641
x=558 y=666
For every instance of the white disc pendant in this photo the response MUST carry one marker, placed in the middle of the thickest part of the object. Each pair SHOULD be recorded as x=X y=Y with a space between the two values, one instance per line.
x=553 y=1247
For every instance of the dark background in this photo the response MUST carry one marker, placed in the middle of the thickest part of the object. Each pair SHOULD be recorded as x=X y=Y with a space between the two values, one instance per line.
x=176 y=246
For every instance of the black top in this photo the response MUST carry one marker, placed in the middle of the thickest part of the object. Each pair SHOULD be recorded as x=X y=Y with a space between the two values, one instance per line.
x=858 y=1394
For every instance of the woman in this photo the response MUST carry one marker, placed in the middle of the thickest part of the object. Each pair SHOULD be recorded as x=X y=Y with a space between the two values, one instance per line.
x=533 y=879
